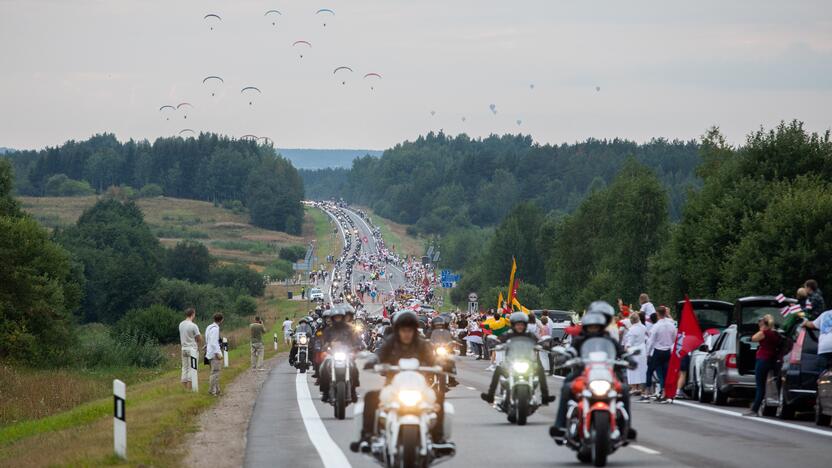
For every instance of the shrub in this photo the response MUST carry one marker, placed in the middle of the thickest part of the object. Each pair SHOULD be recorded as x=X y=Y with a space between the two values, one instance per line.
x=189 y=260
x=99 y=348
x=239 y=277
x=157 y=321
x=279 y=270
x=293 y=253
x=59 y=185
x=245 y=306
x=151 y=191
x=181 y=294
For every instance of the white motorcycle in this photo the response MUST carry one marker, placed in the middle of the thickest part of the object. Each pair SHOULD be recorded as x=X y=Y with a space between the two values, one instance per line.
x=341 y=391
x=406 y=414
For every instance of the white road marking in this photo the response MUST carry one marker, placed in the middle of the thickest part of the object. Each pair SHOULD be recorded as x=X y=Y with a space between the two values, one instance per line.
x=471 y=388
x=644 y=449
x=773 y=422
x=331 y=455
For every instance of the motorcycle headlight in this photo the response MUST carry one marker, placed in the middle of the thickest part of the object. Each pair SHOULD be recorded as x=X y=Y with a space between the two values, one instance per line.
x=599 y=387
x=339 y=356
x=442 y=351
x=303 y=339
x=520 y=366
x=410 y=397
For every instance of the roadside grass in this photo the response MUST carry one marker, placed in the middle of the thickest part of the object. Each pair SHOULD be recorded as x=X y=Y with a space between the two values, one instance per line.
x=160 y=413
x=328 y=242
x=395 y=234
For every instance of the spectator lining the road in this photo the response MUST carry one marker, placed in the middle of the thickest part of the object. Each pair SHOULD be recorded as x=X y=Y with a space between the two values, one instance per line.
x=824 y=324
x=189 y=339
x=257 y=331
x=213 y=352
x=287 y=331
x=662 y=337
x=636 y=337
x=766 y=353
x=815 y=304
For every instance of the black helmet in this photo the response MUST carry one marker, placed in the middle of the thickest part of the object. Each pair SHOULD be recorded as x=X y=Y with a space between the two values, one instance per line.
x=406 y=318
x=385 y=321
x=604 y=309
x=518 y=317
x=437 y=322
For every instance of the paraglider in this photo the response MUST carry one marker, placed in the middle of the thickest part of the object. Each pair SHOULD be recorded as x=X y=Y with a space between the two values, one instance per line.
x=249 y=137
x=302 y=44
x=249 y=91
x=212 y=19
x=493 y=108
x=597 y=88
x=372 y=76
x=325 y=11
x=274 y=14
x=463 y=118
x=184 y=104
x=342 y=70
x=519 y=122
x=169 y=109
x=531 y=86
x=214 y=82
x=432 y=113
x=266 y=140
x=187 y=130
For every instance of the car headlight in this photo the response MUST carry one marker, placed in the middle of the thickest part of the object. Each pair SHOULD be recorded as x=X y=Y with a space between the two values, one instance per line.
x=520 y=366
x=302 y=340
x=340 y=356
x=410 y=397
x=600 y=387
x=442 y=351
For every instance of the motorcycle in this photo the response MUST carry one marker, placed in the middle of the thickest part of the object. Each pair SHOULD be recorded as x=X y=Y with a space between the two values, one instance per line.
x=302 y=362
x=406 y=414
x=340 y=383
x=444 y=358
x=518 y=393
x=597 y=423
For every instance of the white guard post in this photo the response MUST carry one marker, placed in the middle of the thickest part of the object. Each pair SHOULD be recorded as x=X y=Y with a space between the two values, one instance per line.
x=275 y=341
x=119 y=419
x=225 y=351
x=195 y=370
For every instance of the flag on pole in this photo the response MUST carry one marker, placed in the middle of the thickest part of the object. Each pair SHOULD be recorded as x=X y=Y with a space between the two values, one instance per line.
x=519 y=306
x=780 y=298
x=511 y=290
x=500 y=301
x=790 y=309
x=688 y=338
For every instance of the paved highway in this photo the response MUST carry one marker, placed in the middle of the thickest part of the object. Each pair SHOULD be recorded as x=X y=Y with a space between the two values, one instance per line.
x=292 y=428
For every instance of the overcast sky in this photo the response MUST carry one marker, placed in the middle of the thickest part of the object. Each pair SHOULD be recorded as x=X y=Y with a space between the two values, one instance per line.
x=72 y=68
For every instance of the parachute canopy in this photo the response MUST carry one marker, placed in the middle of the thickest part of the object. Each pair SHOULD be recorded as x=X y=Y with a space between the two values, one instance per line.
x=188 y=131
x=212 y=77
x=375 y=75
x=324 y=10
x=341 y=68
x=183 y=104
x=166 y=107
x=250 y=88
x=297 y=43
x=272 y=12
x=212 y=19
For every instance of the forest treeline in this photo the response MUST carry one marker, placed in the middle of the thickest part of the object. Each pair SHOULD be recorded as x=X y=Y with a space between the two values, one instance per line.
x=208 y=167
x=439 y=181
x=759 y=224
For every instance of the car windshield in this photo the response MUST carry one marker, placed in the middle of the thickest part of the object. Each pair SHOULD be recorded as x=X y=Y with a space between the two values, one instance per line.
x=713 y=318
x=595 y=346
x=521 y=347
x=750 y=315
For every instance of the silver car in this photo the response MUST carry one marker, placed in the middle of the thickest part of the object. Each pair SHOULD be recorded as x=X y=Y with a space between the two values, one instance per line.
x=718 y=376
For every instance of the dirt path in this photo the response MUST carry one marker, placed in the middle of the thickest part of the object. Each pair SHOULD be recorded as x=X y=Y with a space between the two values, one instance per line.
x=221 y=438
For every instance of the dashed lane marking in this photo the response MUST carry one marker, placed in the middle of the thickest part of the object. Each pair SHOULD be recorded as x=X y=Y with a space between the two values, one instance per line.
x=644 y=449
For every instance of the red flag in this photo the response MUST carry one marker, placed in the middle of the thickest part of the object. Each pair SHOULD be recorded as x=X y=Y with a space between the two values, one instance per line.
x=688 y=338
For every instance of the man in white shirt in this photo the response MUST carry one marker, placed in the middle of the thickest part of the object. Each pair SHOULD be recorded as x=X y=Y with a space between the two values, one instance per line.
x=189 y=339
x=661 y=339
x=213 y=352
x=287 y=331
x=647 y=307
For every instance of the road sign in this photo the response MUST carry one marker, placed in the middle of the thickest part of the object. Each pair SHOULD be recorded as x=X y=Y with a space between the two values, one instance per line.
x=447 y=284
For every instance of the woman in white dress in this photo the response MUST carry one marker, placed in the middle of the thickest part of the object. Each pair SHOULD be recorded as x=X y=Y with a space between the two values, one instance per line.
x=636 y=337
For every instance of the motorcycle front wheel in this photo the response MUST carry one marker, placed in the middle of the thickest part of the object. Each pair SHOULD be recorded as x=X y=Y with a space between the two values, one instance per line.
x=601 y=436
x=340 y=400
x=522 y=397
x=408 y=451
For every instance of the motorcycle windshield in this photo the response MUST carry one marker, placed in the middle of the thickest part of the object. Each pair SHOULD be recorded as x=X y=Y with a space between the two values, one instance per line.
x=598 y=349
x=521 y=347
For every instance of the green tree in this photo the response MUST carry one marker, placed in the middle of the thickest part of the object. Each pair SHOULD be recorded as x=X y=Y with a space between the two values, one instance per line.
x=189 y=260
x=240 y=278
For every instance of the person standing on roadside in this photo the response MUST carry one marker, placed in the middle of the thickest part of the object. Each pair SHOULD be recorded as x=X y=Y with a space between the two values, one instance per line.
x=814 y=303
x=287 y=331
x=257 y=330
x=213 y=352
x=766 y=352
x=824 y=324
x=189 y=339
x=661 y=339
x=647 y=308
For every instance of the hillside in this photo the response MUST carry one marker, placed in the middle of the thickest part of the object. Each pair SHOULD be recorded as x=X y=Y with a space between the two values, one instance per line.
x=227 y=234
x=324 y=158
x=4 y=150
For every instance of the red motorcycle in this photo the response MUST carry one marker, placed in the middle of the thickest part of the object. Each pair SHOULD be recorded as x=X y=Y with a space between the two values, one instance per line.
x=597 y=423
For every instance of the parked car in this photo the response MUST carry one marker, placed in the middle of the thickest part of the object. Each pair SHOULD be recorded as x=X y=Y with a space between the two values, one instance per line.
x=719 y=376
x=713 y=317
x=315 y=294
x=823 y=405
x=794 y=387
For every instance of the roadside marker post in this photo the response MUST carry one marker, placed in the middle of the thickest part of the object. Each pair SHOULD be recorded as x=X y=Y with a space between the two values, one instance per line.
x=275 y=341
x=225 y=351
x=119 y=419
x=194 y=370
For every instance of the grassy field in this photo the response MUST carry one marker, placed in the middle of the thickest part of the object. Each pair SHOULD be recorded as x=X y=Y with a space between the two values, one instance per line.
x=328 y=242
x=395 y=234
x=159 y=412
x=227 y=234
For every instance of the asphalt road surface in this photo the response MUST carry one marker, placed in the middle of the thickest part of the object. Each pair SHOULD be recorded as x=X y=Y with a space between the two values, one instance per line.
x=290 y=427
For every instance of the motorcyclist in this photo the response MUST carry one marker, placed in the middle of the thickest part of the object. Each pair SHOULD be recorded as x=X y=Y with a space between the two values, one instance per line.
x=593 y=325
x=440 y=335
x=339 y=332
x=404 y=343
x=519 y=325
x=318 y=342
x=304 y=326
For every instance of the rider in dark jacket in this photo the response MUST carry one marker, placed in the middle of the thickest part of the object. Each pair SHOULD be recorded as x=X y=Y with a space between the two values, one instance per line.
x=519 y=325
x=339 y=332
